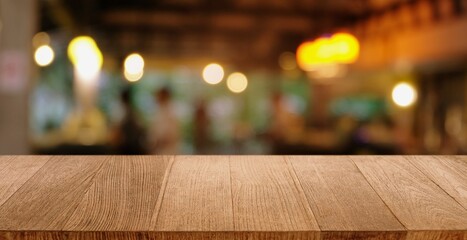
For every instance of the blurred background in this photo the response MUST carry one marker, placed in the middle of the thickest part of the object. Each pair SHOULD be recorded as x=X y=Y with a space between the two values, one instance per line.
x=233 y=77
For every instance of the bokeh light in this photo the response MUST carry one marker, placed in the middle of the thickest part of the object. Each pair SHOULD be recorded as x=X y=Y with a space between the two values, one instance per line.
x=404 y=95
x=346 y=47
x=305 y=55
x=213 y=73
x=40 y=39
x=340 y=48
x=86 y=56
x=133 y=67
x=237 y=82
x=134 y=63
x=44 y=55
x=324 y=51
x=133 y=77
x=287 y=61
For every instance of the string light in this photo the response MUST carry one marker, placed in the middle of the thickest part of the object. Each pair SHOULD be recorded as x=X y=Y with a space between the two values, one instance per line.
x=133 y=67
x=237 y=82
x=85 y=56
x=340 y=48
x=44 y=56
x=404 y=95
x=213 y=73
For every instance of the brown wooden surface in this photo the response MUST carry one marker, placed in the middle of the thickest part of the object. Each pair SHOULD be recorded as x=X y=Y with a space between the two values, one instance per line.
x=126 y=191
x=264 y=188
x=448 y=173
x=418 y=202
x=197 y=196
x=51 y=195
x=341 y=198
x=14 y=173
x=233 y=197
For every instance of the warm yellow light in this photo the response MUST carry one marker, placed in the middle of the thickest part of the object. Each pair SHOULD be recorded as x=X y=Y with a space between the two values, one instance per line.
x=213 y=73
x=237 y=82
x=133 y=77
x=44 y=55
x=84 y=48
x=324 y=52
x=318 y=52
x=40 y=39
x=404 y=95
x=86 y=56
x=346 y=47
x=305 y=55
x=134 y=64
x=341 y=48
x=133 y=67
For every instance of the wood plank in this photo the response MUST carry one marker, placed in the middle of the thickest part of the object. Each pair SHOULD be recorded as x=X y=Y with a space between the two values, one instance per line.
x=416 y=201
x=341 y=198
x=235 y=235
x=15 y=171
x=15 y=235
x=197 y=196
x=364 y=235
x=60 y=235
x=437 y=235
x=460 y=157
x=136 y=235
x=5 y=160
x=49 y=198
x=447 y=172
x=126 y=191
x=266 y=197
x=241 y=197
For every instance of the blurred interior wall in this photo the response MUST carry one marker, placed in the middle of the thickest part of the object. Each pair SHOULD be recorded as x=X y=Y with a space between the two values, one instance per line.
x=427 y=41
x=430 y=43
x=18 y=23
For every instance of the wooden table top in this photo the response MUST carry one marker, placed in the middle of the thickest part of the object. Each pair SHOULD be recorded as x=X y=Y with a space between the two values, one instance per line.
x=233 y=197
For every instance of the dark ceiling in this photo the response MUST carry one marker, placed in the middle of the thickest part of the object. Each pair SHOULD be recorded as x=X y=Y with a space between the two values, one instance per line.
x=251 y=33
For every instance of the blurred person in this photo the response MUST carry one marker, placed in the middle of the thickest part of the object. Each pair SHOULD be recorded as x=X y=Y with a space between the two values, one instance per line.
x=404 y=137
x=242 y=134
x=201 y=128
x=282 y=118
x=164 y=131
x=453 y=124
x=286 y=127
x=130 y=135
x=345 y=128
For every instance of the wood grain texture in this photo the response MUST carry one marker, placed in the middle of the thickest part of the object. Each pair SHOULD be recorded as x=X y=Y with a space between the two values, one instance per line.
x=5 y=160
x=48 y=198
x=416 y=201
x=197 y=196
x=437 y=235
x=126 y=190
x=341 y=198
x=234 y=235
x=360 y=235
x=266 y=197
x=447 y=172
x=33 y=235
x=232 y=197
x=15 y=171
x=132 y=235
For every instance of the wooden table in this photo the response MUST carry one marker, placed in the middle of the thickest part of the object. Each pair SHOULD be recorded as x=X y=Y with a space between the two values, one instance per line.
x=233 y=197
